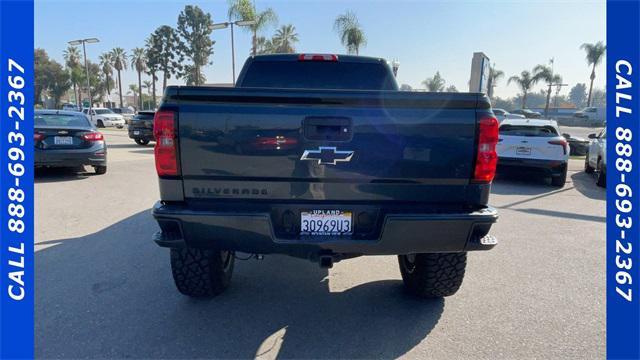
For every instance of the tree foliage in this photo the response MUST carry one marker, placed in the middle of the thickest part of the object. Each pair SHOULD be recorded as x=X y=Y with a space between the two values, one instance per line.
x=163 y=53
x=285 y=39
x=494 y=76
x=435 y=83
x=350 y=32
x=195 y=32
x=578 y=95
x=245 y=10
x=594 y=56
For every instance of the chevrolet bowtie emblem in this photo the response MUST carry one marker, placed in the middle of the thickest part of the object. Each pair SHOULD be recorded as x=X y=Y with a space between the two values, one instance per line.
x=327 y=155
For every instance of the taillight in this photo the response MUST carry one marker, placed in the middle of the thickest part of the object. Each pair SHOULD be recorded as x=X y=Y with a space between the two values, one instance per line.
x=38 y=137
x=561 y=142
x=93 y=136
x=166 y=152
x=318 y=57
x=486 y=158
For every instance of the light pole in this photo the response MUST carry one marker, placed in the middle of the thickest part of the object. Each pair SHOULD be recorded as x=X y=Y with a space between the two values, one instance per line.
x=224 y=25
x=86 y=66
x=395 y=64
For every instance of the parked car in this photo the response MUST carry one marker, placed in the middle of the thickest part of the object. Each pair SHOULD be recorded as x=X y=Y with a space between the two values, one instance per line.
x=578 y=145
x=529 y=114
x=502 y=114
x=70 y=107
x=141 y=127
x=534 y=146
x=67 y=139
x=126 y=112
x=370 y=171
x=592 y=115
x=103 y=117
x=596 y=159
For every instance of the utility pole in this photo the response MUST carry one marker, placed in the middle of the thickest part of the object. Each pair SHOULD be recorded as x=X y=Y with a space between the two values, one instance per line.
x=86 y=65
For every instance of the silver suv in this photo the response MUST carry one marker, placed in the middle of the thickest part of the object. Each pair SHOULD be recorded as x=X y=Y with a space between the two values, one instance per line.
x=596 y=159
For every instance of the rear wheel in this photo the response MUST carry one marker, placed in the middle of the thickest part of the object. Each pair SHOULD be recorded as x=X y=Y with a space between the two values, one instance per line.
x=101 y=169
x=433 y=275
x=587 y=168
x=100 y=124
x=559 y=180
x=602 y=175
x=201 y=272
x=142 y=142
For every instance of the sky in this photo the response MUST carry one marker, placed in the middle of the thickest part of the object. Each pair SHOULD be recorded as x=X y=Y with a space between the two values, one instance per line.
x=425 y=36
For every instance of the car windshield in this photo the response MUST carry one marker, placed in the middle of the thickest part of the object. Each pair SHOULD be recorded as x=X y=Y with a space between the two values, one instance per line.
x=103 y=111
x=126 y=111
x=527 y=130
x=61 y=120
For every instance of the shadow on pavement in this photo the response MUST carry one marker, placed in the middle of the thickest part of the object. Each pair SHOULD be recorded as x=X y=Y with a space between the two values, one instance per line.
x=48 y=175
x=110 y=295
x=132 y=145
x=586 y=185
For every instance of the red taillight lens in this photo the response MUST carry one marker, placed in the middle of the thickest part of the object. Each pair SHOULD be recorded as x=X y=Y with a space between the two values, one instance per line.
x=38 y=137
x=166 y=152
x=318 y=57
x=486 y=158
x=561 y=142
x=93 y=136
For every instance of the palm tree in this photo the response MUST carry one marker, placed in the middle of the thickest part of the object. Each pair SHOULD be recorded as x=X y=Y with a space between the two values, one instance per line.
x=147 y=84
x=72 y=61
x=139 y=62
x=595 y=54
x=494 y=76
x=285 y=38
x=545 y=73
x=557 y=79
x=106 y=64
x=119 y=58
x=134 y=90
x=245 y=10
x=435 y=83
x=264 y=46
x=525 y=81
x=351 y=34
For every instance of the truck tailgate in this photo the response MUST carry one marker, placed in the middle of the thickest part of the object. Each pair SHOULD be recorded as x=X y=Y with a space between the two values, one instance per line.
x=333 y=145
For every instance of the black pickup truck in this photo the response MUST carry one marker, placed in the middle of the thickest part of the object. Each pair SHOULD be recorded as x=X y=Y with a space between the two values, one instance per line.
x=321 y=157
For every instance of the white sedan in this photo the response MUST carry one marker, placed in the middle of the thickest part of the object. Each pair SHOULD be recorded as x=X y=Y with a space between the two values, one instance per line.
x=502 y=114
x=103 y=117
x=533 y=145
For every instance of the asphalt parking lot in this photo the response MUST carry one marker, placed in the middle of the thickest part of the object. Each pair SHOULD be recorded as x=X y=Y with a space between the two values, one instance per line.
x=104 y=289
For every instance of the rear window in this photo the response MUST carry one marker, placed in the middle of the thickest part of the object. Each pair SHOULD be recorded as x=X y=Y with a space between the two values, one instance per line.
x=319 y=75
x=61 y=120
x=519 y=130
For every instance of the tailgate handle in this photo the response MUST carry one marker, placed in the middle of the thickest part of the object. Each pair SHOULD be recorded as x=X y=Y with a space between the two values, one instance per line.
x=329 y=128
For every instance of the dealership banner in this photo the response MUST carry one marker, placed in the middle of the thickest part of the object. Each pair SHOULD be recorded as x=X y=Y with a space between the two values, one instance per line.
x=16 y=179
x=623 y=182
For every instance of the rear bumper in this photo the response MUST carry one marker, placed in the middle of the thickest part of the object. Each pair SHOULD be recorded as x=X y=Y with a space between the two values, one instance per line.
x=253 y=232
x=71 y=157
x=141 y=133
x=548 y=167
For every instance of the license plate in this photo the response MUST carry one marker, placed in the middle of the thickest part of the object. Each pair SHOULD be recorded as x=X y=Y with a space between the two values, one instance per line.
x=523 y=150
x=325 y=222
x=136 y=133
x=63 y=140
